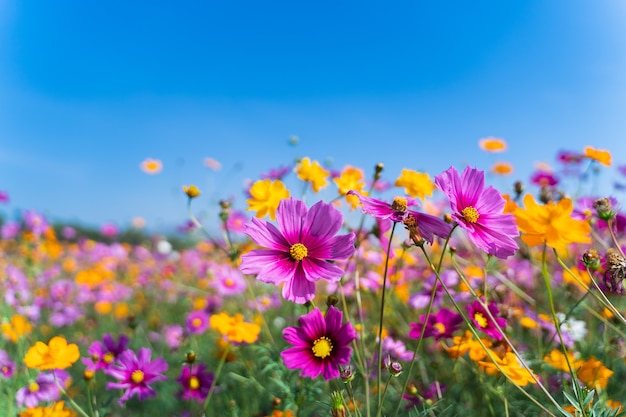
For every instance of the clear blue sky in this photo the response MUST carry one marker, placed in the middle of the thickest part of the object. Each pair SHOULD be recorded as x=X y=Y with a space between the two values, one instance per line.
x=90 y=89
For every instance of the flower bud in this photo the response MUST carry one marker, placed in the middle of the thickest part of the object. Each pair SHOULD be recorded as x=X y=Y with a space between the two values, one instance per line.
x=192 y=191
x=591 y=259
x=190 y=357
x=604 y=208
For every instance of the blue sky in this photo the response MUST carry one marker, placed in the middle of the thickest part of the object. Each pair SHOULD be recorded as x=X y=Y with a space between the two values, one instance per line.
x=88 y=90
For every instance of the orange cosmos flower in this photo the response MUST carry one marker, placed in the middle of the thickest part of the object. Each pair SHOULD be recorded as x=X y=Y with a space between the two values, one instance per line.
x=502 y=168
x=56 y=409
x=551 y=224
x=557 y=360
x=510 y=365
x=17 y=328
x=600 y=155
x=234 y=329
x=57 y=354
x=593 y=373
x=416 y=184
x=492 y=144
x=151 y=166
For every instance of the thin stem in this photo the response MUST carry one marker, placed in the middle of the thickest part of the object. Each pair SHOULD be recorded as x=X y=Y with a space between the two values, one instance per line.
x=380 y=322
x=71 y=401
x=220 y=365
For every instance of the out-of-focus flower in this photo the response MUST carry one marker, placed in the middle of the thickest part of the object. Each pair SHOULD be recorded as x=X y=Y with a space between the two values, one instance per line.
x=544 y=179
x=600 y=155
x=569 y=157
x=227 y=280
x=466 y=343
x=68 y=232
x=4 y=197
x=102 y=354
x=7 y=366
x=510 y=365
x=479 y=316
x=9 y=230
x=236 y=221
x=56 y=409
x=135 y=373
x=277 y=173
x=502 y=168
x=16 y=328
x=492 y=144
x=557 y=360
x=57 y=354
x=313 y=173
x=298 y=250
x=109 y=230
x=151 y=166
x=593 y=373
x=416 y=184
x=191 y=190
x=351 y=178
x=44 y=388
x=234 y=329
x=265 y=196
x=551 y=224
x=320 y=344
x=479 y=210
x=195 y=381
x=35 y=222
x=197 y=322
x=138 y=222
x=440 y=325
x=212 y=164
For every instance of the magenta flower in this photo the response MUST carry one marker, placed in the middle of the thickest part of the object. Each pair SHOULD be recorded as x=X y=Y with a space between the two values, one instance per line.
x=4 y=197
x=479 y=316
x=135 y=373
x=320 y=344
x=7 y=366
x=398 y=211
x=196 y=382
x=544 y=178
x=103 y=354
x=440 y=325
x=197 y=322
x=478 y=210
x=299 y=249
x=42 y=389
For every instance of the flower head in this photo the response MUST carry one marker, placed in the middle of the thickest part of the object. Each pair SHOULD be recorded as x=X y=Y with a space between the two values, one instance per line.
x=234 y=329
x=320 y=344
x=195 y=381
x=312 y=172
x=351 y=178
x=151 y=166
x=440 y=325
x=492 y=144
x=16 y=328
x=265 y=196
x=56 y=409
x=298 y=250
x=600 y=155
x=483 y=321
x=43 y=388
x=103 y=353
x=551 y=224
x=502 y=168
x=57 y=354
x=135 y=373
x=479 y=210
x=416 y=184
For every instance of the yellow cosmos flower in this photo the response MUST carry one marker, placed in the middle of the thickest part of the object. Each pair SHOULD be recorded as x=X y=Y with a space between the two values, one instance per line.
x=351 y=178
x=234 y=329
x=593 y=373
x=57 y=354
x=492 y=144
x=502 y=168
x=582 y=279
x=265 y=197
x=151 y=166
x=16 y=328
x=191 y=190
x=56 y=409
x=556 y=359
x=466 y=343
x=313 y=173
x=600 y=155
x=416 y=184
x=509 y=365
x=551 y=224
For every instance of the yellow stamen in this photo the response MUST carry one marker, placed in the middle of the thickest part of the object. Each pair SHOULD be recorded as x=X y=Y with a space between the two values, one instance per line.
x=229 y=282
x=137 y=376
x=322 y=347
x=108 y=357
x=470 y=214
x=399 y=204
x=440 y=327
x=194 y=383
x=196 y=322
x=33 y=387
x=298 y=252
x=480 y=319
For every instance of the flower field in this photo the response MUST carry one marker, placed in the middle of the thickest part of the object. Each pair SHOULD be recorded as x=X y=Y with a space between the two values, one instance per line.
x=421 y=295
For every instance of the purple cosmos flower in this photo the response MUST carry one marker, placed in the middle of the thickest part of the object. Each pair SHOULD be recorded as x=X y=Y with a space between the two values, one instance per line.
x=440 y=325
x=479 y=316
x=320 y=344
x=277 y=173
x=196 y=382
x=35 y=222
x=197 y=322
x=298 y=250
x=7 y=366
x=9 y=230
x=4 y=197
x=478 y=210
x=42 y=389
x=227 y=281
x=426 y=225
x=135 y=373
x=544 y=178
x=103 y=354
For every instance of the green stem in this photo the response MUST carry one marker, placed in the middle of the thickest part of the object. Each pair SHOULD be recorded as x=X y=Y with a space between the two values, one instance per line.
x=71 y=401
x=220 y=365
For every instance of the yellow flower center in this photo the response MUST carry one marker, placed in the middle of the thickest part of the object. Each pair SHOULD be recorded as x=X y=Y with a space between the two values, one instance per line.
x=33 y=387
x=480 y=319
x=399 y=204
x=194 y=383
x=108 y=357
x=440 y=327
x=229 y=282
x=196 y=322
x=322 y=347
x=470 y=214
x=137 y=376
x=298 y=252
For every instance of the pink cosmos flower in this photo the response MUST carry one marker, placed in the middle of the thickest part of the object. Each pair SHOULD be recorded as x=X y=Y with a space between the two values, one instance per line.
x=195 y=381
x=478 y=210
x=440 y=325
x=42 y=389
x=197 y=322
x=7 y=366
x=320 y=344
x=103 y=354
x=298 y=250
x=398 y=211
x=483 y=322
x=135 y=373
